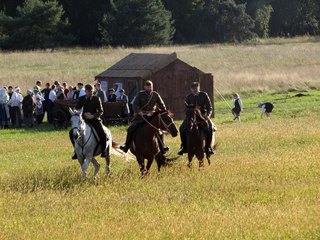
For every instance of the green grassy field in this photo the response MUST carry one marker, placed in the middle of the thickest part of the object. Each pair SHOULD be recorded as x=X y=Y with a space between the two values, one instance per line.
x=264 y=183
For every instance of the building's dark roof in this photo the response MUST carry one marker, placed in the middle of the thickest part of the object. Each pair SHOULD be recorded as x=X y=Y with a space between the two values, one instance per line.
x=138 y=65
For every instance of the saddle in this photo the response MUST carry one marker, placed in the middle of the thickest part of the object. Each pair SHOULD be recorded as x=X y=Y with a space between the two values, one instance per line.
x=95 y=133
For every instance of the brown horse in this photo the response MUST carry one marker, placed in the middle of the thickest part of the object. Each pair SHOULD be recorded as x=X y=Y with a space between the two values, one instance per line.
x=145 y=143
x=196 y=136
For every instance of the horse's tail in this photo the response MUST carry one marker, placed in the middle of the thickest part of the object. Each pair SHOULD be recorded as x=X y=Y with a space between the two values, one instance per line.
x=115 y=150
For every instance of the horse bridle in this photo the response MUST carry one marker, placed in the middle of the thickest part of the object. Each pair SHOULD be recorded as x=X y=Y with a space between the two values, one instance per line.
x=81 y=133
x=166 y=126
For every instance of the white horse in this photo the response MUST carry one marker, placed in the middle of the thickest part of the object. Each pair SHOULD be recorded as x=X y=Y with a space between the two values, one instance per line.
x=86 y=144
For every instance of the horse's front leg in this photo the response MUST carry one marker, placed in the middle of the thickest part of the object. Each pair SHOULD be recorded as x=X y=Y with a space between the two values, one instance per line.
x=160 y=160
x=96 y=168
x=85 y=166
x=201 y=157
x=140 y=160
x=190 y=156
x=149 y=163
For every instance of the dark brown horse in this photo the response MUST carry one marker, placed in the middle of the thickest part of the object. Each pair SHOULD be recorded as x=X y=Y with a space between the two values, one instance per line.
x=145 y=144
x=196 y=136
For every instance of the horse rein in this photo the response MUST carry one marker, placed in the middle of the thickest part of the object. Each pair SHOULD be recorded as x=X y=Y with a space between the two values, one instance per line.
x=81 y=135
x=160 y=120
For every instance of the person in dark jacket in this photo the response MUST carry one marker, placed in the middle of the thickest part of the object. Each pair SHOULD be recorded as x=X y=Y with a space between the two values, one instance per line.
x=45 y=93
x=98 y=92
x=28 y=107
x=92 y=111
x=237 y=107
x=111 y=96
x=266 y=109
x=199 y=99
x=144 y=105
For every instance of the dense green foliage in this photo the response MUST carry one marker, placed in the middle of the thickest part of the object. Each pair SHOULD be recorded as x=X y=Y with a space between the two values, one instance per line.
x=37 y=24
x=137 y=23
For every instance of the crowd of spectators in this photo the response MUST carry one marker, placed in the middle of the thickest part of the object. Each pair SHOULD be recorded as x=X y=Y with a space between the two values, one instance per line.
x=18 y=109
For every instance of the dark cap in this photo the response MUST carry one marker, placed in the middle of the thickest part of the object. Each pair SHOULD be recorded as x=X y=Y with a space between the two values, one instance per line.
x=148 y=83
x=80 y=84
x=111 y=90
x=88 y=87
x=121 y=90
x=195 y=85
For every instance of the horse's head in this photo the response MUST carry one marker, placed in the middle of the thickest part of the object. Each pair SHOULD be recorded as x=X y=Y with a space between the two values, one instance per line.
x=76 y=122
x=192 y=116
x=166 y=123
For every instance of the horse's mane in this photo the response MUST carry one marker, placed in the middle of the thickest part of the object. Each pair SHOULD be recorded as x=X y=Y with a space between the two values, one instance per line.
x=191 y=110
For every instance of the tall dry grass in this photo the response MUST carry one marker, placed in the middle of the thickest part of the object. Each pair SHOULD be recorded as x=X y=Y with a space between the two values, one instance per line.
x=263 y=184
x=276 y=64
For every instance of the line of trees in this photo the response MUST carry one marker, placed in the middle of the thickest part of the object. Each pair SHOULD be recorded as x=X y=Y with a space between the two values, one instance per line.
x=32 y=24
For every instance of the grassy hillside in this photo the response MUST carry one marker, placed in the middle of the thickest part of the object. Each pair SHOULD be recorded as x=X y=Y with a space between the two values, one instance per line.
x=271 y=65
x=263 y=184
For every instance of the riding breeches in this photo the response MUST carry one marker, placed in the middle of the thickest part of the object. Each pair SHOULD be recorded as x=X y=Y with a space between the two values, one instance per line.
x=97 y=125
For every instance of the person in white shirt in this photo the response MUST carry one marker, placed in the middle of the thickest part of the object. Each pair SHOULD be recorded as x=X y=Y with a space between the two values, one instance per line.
x=16 y=104
x=82 y=91
x=116 y=90
x=4 y=109
x=52 y=99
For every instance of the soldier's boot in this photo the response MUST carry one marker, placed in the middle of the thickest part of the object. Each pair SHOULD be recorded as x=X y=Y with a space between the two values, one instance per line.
x=183 y=147
x=103 y=139
x=125 y=147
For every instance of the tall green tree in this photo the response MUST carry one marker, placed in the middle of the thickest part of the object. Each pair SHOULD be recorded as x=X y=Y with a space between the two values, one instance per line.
x=84 y=17
x=224 y=21
x=261 y=12
x=186 y=17
x=9 y=7
x=37 y=25
x=137 y=23
x=295 y=17
x=262 y=20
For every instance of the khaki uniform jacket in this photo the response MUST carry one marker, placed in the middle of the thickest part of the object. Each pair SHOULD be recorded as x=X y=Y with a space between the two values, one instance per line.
x=145 y=102
x=201 y=100
x=92 y=105
x=99 y=94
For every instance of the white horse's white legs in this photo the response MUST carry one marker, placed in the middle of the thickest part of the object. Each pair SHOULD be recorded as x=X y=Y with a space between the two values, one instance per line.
x=85 y=167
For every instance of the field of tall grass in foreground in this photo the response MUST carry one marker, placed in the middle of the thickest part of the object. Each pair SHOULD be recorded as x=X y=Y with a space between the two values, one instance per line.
x=265 y=65
x=264 y=183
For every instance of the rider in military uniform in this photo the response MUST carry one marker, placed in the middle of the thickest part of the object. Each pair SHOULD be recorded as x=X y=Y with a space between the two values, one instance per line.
x=92 y=111
x=144 y=105
x=199 y=99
